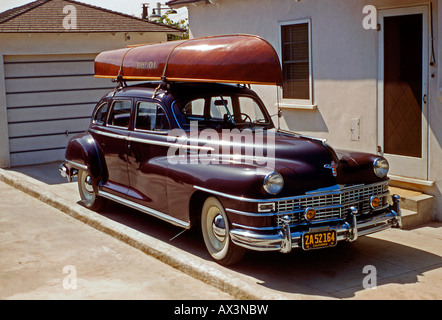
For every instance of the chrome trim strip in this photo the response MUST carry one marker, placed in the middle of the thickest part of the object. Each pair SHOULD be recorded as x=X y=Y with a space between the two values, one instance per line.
x=225 y=195
x=252 y=214
x=154 y=142
x=79 y=165
x=145 y=209
x=170 y=144
x=271 y=214
x=110 y=134
x=309 y=195
x=255 y=228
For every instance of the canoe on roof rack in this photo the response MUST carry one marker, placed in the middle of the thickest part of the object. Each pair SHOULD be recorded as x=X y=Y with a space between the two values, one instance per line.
x=244 y=59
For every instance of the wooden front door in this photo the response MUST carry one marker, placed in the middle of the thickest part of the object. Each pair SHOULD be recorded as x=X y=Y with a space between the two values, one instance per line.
x=402 y=112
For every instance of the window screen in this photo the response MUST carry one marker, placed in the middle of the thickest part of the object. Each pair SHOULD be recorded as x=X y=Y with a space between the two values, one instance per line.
x=296 y=61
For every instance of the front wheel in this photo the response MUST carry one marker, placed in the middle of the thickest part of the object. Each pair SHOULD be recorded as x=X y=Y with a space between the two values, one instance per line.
x=215 y=229
x=88 y=193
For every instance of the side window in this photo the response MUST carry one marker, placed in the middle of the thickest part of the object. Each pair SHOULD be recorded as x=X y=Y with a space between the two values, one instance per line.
x=99 y=116
x=119 y=115
x=194 y=108
x=250 y=107
x=151 y=116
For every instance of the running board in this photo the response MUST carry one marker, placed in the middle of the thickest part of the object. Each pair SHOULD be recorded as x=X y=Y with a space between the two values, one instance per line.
x=144 y=209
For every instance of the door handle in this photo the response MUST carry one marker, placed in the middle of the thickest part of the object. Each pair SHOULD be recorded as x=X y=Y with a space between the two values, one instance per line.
x=424 y=98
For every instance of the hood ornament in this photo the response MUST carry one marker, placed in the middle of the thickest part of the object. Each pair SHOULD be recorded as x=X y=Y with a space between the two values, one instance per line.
x=333 y=166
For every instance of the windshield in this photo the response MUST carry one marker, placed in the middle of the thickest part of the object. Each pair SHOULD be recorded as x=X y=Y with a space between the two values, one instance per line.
x=222 y=112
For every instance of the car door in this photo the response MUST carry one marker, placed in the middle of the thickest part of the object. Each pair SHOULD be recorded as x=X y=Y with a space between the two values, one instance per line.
x=114 y=144
x=148 y=155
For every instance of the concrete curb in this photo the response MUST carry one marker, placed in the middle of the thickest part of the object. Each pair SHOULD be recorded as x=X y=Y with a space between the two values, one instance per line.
x=196 y=267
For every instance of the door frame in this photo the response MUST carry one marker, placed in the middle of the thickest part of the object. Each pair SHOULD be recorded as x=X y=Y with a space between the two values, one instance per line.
x=405 y=166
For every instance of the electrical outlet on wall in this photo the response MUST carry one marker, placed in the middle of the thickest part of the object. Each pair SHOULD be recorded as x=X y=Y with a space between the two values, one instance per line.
x=355 y=129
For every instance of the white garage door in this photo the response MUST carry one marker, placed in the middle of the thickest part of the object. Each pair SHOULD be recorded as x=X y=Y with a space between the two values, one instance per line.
x=49 y=99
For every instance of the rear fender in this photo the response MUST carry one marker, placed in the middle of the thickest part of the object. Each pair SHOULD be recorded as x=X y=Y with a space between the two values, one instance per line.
x=83 y=152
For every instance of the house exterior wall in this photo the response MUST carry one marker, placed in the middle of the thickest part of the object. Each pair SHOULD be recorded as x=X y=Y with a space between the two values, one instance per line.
x=344 y=68
x=40 y=44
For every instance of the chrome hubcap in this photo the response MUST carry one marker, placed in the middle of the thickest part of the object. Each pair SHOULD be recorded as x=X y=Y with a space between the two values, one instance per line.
x=219 y=228
x=88 y=184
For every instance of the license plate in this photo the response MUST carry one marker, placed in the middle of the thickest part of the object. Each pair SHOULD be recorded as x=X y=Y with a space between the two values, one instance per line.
x=320 y=239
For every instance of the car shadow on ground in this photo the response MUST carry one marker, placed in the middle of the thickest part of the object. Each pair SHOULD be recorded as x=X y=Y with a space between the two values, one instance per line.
x=331 y=273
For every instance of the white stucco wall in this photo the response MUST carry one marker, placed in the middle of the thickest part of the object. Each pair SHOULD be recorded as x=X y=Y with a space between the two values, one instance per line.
x=344 y=67
x=73 y=43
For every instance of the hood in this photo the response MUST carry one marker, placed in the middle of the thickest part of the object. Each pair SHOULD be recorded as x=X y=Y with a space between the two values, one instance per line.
x=305 y=163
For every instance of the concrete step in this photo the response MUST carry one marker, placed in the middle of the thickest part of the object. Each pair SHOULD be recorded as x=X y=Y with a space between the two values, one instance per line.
x=417 y=207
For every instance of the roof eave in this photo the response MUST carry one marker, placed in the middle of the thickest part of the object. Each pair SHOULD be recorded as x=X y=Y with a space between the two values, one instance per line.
x=176 y=4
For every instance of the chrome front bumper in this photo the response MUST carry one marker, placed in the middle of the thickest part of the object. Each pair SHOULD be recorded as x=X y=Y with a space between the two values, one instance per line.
x=285 y=239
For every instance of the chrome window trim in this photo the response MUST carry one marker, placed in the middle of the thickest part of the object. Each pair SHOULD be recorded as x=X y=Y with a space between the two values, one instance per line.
x=152 y=131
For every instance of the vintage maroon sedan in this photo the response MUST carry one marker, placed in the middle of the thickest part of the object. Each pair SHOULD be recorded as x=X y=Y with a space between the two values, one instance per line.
x=193 y=148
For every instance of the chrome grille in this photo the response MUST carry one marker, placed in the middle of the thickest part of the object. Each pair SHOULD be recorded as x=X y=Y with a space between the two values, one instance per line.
x=333 y=205
x=314 y=202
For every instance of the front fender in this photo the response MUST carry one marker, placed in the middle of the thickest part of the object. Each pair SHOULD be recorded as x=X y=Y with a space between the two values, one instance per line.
x=83 y=152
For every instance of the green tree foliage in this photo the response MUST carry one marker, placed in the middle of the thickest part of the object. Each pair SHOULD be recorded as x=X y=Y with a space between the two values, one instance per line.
x=182 y=24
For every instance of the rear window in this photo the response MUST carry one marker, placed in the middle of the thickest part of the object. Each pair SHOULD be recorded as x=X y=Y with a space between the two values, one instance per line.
x=99 y=116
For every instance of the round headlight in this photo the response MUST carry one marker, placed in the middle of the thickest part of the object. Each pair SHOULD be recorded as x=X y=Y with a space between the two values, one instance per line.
x=380 y=167
x=273 y=183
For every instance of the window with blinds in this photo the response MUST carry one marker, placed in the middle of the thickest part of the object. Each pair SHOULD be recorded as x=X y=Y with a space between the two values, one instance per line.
x=295 y=39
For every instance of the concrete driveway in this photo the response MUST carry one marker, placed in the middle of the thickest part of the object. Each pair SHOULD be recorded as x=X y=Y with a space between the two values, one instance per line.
x=393 y=264
x=46 y=254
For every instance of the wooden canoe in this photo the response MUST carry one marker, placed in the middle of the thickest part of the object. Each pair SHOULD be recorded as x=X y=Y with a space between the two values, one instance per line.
x=244 y=59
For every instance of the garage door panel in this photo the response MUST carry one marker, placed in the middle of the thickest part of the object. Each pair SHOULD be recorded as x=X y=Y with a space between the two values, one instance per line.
x=23 y=69
x=27 y=158
x=49 y=57
x=56 y=83
x=42 y=113
x=54 y=98
x=39 y=143
x=47 y=127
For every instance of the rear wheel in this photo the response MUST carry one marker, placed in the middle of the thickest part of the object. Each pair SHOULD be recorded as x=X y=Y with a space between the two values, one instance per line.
x=215 y=229
x=88 y=192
